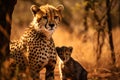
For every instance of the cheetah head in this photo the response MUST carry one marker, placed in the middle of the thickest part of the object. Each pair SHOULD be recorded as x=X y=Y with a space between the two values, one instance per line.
x=64 y=53
x=46 y=17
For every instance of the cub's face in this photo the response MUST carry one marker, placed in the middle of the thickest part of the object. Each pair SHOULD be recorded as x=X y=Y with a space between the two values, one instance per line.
x=64 y=53
x=46 y=17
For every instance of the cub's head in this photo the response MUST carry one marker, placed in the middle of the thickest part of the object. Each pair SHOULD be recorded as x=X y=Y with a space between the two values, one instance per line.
x=46 y=17
x=64 y=53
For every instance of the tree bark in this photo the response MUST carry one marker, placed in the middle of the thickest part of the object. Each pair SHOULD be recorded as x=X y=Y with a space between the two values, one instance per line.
x=6 y=10
x=109 y=22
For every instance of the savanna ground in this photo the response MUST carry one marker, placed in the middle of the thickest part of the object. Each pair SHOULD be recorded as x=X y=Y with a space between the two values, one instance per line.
x=84 y=43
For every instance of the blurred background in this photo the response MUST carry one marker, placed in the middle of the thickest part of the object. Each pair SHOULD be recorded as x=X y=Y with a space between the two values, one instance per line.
x=87 y=26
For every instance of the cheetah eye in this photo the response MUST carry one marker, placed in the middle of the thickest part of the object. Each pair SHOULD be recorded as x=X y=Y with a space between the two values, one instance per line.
x=45 y=17
x=55 y=17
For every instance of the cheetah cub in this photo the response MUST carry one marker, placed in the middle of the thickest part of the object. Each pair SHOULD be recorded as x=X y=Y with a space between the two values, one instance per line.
x=68 y=67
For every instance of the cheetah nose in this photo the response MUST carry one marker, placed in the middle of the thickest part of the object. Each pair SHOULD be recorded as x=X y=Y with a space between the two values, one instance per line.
x=51 y=25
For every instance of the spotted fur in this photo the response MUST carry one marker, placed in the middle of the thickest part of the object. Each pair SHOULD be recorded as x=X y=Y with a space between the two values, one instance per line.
x=68 y=67
x=38 y=43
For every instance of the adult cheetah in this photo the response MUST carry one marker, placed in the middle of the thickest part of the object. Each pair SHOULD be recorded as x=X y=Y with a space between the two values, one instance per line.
x=38 y=43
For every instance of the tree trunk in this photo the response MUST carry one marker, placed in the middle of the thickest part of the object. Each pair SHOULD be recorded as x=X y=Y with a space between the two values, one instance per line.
x=87 y=7
x=6 y=9
x=100 y=43
x=109 y=22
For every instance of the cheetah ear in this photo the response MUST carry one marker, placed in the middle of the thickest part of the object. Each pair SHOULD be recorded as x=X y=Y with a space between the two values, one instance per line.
x=34 y=9
x=57 y=49
x=71 y=49
x=60 y=7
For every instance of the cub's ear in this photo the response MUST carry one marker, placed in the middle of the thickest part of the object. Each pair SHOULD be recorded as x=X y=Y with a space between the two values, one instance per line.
x=60 y=7
x=34 y=9
x=57 y=49
x=71 y=49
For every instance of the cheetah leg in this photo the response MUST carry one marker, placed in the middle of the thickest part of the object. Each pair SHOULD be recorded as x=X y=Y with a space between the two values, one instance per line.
x=63 y=77
x=49 y=72
x=12 y=69
x=84 y=75
x=35 y=74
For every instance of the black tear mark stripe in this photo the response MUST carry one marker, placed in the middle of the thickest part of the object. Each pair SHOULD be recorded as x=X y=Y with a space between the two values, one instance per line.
x=46 y=23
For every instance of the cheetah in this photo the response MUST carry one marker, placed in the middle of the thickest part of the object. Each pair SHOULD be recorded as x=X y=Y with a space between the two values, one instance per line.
x=68 y=67
x=37 y=41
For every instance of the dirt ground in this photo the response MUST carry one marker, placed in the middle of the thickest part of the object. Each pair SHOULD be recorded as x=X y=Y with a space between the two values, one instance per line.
x=91 y=76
